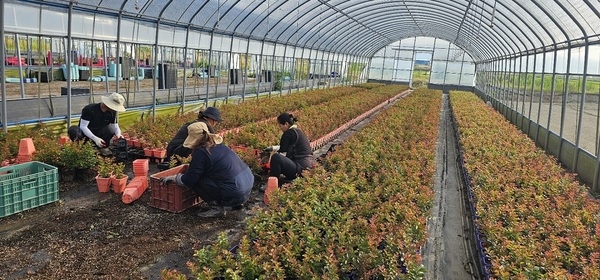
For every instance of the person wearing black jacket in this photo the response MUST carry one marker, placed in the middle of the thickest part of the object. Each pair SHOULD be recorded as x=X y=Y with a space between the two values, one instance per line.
x=210 y=117
x=294 y=153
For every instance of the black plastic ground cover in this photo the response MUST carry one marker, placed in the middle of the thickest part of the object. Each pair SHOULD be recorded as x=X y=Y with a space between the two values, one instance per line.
x=483 y=258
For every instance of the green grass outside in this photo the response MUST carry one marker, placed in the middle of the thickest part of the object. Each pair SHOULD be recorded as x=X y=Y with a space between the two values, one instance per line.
x=575 y=83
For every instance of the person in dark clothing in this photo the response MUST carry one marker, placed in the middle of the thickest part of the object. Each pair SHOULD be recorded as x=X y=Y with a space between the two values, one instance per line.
x=294 y=154
x=98 y=122
x=210 y=117
x=216 y=173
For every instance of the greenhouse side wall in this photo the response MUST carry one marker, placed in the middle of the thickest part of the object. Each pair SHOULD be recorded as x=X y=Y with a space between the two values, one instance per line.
x=552 y=143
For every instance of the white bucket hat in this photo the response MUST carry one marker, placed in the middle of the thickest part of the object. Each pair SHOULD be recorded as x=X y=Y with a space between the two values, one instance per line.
x=114 y=101
x=195 y=131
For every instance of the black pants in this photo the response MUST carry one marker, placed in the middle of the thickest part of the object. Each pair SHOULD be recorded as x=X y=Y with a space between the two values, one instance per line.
x=283 y=165
x=75 y=134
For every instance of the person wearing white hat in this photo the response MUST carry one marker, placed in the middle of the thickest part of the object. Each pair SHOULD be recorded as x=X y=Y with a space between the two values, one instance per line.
x=216 y=173
x=98 y=122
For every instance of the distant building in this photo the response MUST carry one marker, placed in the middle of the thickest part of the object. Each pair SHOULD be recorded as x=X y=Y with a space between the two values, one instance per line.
x=422 y=62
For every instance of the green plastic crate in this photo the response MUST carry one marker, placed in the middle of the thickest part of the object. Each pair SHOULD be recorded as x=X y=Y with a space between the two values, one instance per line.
x=27 y=185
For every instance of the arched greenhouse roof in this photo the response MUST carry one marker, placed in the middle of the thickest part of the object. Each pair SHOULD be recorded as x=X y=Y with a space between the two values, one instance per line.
x=487 y=29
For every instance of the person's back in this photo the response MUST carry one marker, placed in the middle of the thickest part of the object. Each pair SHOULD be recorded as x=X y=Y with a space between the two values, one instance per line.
x=175 y=146
x=299 y=147
x=216 y=173
x=220 y=162
x=223 y=167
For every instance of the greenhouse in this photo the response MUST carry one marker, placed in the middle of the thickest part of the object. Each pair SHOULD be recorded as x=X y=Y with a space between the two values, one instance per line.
x=450 y=139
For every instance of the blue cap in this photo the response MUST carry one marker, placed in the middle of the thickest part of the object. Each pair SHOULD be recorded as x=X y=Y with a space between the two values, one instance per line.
x=213 y=113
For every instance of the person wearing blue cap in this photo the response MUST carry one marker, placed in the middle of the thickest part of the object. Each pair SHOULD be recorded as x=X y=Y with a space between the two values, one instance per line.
x=210 y=116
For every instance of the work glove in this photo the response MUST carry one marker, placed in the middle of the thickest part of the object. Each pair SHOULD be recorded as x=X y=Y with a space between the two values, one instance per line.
x=166 y=180
x=99 y=142
x=272 y=149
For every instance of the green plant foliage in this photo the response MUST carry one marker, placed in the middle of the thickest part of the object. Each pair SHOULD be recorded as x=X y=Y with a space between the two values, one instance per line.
x=77 y=155
x=365 y=217
x=539 y=222
x=105 y=166
x=118 y=169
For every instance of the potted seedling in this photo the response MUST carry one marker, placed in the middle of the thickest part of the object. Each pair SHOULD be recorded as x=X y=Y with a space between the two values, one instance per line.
x=103 y=179
x=119 y=178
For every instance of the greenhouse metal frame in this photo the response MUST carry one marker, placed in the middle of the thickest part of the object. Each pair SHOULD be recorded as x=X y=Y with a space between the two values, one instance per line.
x=536 y=62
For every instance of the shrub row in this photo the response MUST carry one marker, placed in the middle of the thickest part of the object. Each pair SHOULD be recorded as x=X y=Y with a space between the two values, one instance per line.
x=538 y=220
x=360 y=215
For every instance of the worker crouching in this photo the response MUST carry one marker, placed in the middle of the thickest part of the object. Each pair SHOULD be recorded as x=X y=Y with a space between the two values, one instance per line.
x=216 y=173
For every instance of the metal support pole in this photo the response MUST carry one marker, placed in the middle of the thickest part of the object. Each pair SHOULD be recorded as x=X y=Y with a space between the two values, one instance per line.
x=564 y=102
x=3 y=70
x=519 y=83
x=119 y=59
x=18 y=46
x=532 y=91
x=552 y=89
x=185 y=67
x=445 y=69
x=155 y=72
x=246 y=70
x=210 y=51
x=260 y=74
x=105 y=64
x=68 y=60
x=537 y=133
x=232 y=71
x=581 y=105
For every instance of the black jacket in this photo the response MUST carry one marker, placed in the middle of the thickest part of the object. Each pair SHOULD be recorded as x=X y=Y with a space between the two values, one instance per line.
x=296 y=147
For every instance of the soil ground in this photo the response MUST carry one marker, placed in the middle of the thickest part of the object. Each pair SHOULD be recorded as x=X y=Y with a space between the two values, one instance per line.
x=92 y=235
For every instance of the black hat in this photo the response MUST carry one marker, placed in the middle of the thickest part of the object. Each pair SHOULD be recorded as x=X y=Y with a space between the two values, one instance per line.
x=213 y=113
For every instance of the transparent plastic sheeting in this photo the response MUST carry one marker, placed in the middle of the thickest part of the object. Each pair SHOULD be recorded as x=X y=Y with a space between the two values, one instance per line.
x=486 y=29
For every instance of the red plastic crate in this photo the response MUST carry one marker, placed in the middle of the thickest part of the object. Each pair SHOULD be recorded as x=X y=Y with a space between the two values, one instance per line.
x=171 y=197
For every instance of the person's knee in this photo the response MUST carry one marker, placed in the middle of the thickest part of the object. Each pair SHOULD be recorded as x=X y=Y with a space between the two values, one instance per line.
x=276 y=159
x=75 y=133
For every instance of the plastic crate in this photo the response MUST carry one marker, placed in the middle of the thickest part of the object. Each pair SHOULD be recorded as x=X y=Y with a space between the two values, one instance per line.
x=171 y=197
x=26 y=186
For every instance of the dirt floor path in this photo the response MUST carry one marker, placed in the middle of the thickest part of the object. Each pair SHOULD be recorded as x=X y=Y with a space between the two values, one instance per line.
x=92 y=235
x=448 y=252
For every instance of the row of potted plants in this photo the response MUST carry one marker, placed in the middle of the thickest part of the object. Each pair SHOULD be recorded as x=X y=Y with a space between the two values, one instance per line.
x=336 y=112
x=255 y=110
x=157 y=134
x=77 y=161
x=360 y=215
x=537 y=220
